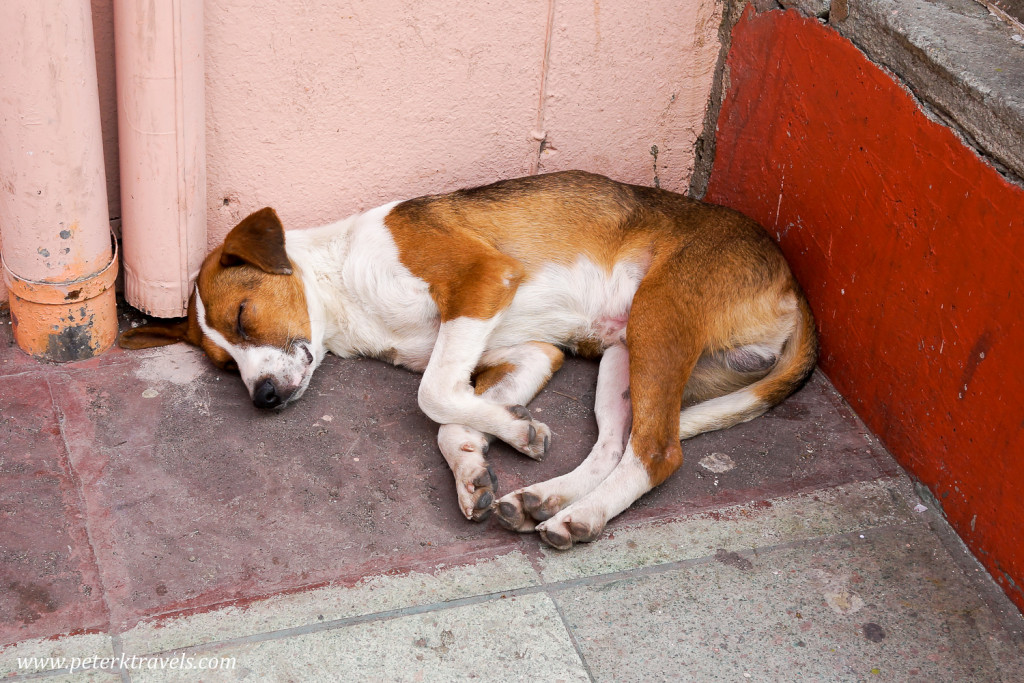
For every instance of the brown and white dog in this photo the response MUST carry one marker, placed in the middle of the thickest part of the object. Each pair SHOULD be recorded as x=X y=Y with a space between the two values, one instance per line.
x=698 y=321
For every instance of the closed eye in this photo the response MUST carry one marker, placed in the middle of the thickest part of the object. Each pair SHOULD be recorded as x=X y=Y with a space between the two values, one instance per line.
x=239 y=325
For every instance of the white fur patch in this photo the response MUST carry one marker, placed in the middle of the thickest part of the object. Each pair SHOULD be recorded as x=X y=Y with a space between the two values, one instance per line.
x=620 y=489
x=445 y=394
x=612 y=410
x=561 y=303
x=362 y=299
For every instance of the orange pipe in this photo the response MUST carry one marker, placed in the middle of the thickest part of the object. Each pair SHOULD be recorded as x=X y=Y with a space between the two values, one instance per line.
x=162 y=141
x=58 y=263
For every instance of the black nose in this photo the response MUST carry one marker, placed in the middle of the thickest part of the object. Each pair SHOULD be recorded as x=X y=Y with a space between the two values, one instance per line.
x=265 y=395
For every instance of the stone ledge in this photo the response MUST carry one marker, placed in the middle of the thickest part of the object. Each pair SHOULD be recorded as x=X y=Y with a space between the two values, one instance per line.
x=956 y=57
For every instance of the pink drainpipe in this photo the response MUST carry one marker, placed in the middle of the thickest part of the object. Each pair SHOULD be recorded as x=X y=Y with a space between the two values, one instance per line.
x=58 y=262
x=162 y=140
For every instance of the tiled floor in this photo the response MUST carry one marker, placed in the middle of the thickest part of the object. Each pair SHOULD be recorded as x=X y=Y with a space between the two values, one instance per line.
x=146 y=508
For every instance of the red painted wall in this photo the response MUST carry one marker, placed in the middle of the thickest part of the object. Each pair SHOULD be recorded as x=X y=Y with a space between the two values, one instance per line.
x=910 y=249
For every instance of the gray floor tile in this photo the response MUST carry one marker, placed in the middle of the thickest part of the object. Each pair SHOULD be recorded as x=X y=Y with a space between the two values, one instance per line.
x=891 y=606
x=512 y=639
x=374 y=594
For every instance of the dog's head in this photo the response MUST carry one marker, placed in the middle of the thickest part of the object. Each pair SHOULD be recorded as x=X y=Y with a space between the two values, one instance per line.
x=248 y=312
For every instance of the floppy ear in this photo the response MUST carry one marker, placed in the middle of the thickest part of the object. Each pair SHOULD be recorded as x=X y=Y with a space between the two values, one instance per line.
x=259 y=241
x=148 y=336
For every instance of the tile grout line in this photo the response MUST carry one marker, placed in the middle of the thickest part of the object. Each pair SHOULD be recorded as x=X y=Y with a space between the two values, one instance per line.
x=549 y=589
x=552 y=595
x=470 y=557
x=534 y=553
x=115 y=637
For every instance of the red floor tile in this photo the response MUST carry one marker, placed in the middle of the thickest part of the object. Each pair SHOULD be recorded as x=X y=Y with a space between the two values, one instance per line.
x=48 y=578
x=193 y=498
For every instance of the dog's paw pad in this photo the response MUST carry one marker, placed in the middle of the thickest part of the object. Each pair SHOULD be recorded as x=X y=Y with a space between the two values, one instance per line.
x=511 y=514
x=527 y=435
x=555 y=535
x=562 y=531
x=476 y=492
x=533 y=441
x=541 y=508
x=486 y=479
x=539 y=440
x=484 y=502
x=520 y=412
x=583 y=532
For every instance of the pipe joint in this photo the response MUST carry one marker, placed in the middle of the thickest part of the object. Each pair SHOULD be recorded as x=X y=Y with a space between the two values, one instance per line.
x=64 y=321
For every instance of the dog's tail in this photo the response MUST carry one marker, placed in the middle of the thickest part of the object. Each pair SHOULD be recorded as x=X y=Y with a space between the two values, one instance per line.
x=794 y=365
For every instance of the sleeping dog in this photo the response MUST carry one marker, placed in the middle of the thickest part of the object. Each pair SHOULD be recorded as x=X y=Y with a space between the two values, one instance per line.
x=691 y=307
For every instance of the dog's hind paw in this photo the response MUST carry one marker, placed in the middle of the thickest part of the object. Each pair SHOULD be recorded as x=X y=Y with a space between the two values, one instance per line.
x=541 y=508
x=512 y=514
x=566 y=528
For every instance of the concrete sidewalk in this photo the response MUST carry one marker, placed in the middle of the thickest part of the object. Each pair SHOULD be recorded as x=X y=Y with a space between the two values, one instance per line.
x=147 y=511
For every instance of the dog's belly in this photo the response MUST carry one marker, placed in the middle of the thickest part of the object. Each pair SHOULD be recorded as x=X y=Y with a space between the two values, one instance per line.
x=583 y=307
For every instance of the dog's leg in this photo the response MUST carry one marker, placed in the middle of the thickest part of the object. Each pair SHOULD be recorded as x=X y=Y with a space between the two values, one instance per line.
x=665 y=339
x=447 y=397
x=473 y=284
x=520 y=510
x=512 y=375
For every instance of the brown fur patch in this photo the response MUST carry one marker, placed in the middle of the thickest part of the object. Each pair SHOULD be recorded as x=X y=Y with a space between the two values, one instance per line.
x=553 y=353
x=259 y=241
x=250 y=306
x=797 y=361
x=474 y=247
x=486 y=378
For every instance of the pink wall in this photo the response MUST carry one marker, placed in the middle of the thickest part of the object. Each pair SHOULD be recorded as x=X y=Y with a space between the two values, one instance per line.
x=625 y=77
x=324 y=107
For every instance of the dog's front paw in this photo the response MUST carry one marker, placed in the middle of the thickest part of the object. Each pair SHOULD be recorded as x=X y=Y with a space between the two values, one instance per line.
x=528 y=436
x=569 y=527
x=475 y=487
